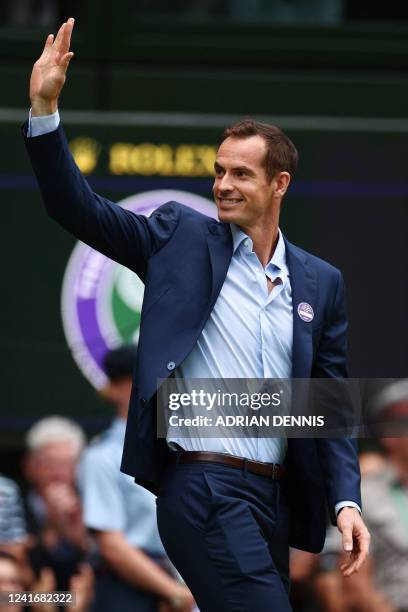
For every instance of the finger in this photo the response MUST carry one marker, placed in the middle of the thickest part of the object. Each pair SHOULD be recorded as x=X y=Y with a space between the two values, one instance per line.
x=362 y=556
x=59 y=37
x=65 y=59
x=355 y=565
x=348 y=570
x=359 y=554
x=49 y=41
x=48 y=44
x=347 y=537
x=347 y=563
x=66 y=36
x=351 y=570
x=344 y=565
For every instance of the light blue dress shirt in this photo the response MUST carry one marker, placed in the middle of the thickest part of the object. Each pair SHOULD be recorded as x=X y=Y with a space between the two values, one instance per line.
x=111 y=500
x=252 y=327
x=248 y=335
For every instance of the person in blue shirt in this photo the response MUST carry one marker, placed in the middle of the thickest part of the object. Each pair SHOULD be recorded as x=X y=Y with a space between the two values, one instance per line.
x=133 y=573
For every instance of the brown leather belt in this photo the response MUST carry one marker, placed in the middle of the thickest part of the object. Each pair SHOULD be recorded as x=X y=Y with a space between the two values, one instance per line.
x=274 y=471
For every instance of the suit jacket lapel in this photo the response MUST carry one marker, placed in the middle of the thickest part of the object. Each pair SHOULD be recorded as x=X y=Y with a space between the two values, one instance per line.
x=304 y=284
x=219 y=240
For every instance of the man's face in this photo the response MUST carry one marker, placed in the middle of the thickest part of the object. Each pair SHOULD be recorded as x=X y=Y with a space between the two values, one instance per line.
x=54 y=462
x=244 y=195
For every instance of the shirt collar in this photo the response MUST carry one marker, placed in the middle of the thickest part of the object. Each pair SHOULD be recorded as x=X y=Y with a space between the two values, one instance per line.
x=278 y=258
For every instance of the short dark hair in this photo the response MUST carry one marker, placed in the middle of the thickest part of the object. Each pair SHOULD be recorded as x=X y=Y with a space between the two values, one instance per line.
x=119 y=363
x=281 y=153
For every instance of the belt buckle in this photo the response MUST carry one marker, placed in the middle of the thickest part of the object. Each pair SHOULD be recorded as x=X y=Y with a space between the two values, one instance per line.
x=274 y=475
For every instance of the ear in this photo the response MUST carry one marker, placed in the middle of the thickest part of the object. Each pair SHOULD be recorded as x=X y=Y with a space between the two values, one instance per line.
x=282 y=180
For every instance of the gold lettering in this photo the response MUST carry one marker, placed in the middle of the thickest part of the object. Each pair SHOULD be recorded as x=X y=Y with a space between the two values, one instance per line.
x=205 y=160
x=119 y=158
x=165 y=160
x=147 y=159
x=184 y=161
x=86 y=152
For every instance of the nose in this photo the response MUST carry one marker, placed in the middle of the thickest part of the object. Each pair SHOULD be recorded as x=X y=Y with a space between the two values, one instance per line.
x=224 y=183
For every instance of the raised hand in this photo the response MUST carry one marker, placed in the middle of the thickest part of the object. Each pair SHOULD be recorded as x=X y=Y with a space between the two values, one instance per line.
x=49 y=71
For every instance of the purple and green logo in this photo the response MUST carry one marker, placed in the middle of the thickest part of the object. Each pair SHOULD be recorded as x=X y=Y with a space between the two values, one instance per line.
x=102 y=300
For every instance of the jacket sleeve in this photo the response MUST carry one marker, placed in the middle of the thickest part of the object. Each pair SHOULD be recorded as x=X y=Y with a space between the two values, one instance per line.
x=338 y=456
x=120 y=234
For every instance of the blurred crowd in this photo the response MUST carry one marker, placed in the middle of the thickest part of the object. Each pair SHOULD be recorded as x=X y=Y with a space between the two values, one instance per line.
x=78 y=524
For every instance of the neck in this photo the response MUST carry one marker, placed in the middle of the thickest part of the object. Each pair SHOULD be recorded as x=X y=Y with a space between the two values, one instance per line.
x=265 y=244
x=264 y=238
x=264 y=233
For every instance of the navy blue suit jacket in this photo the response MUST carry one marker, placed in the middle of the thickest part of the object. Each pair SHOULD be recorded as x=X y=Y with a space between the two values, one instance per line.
x=183 y=257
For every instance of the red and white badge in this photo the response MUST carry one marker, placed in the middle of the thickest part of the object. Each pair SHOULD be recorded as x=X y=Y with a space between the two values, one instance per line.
x=305 y=312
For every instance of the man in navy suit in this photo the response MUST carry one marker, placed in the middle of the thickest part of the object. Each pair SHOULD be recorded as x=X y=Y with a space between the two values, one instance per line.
x=223 y=299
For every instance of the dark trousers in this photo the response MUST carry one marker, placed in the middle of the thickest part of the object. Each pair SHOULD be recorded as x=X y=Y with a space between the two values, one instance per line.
x=226 y=531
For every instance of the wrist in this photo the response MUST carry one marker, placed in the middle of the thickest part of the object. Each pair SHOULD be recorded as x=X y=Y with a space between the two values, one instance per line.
x=348 y=508
x=41 y=107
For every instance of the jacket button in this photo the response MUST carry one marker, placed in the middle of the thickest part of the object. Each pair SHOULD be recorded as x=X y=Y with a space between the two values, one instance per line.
x=171 y=365
x=143 y=401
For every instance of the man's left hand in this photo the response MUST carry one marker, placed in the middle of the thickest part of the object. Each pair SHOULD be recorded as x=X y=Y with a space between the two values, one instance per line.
x=356 y=539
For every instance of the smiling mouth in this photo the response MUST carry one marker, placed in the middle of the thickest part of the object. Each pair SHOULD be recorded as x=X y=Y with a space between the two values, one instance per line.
x=229 y=201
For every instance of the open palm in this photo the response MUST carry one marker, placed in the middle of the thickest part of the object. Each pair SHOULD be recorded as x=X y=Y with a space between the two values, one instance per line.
x=49 y=71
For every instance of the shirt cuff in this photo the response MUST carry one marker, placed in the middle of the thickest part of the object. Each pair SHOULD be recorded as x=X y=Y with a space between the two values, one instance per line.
x=37 y=126
x=346 y=504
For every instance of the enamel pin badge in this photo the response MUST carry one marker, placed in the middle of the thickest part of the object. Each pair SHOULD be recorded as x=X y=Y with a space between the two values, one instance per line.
x=305 y=312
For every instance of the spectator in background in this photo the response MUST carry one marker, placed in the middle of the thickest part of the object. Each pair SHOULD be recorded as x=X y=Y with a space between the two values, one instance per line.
x=12 y=521
x=54 y=514
x=385 y=497
x=123 y=515
x=13 y=577
x=381 y=585
x=13 y=535
x=357 y=593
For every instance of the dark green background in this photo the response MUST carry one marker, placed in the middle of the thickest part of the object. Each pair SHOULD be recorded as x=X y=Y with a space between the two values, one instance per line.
x=347 y=205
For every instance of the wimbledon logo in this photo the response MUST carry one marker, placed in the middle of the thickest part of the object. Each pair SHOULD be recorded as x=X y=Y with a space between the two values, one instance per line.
x=102 y=300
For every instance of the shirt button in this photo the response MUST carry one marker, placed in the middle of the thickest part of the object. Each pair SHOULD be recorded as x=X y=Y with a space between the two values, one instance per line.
x=246 y=243
x=171 y=365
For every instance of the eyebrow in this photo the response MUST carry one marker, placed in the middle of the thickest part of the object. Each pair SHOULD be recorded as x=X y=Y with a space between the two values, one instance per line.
x=218 y=166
